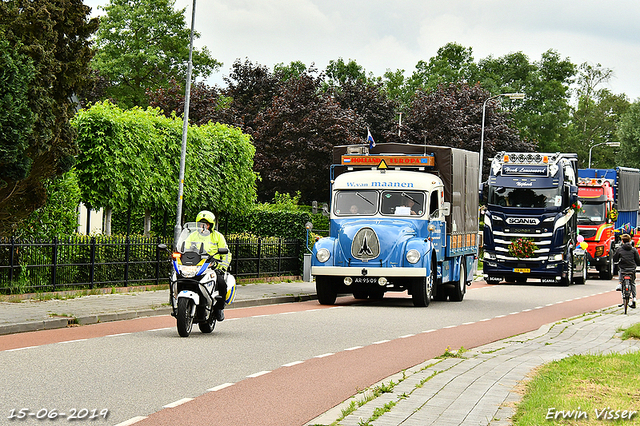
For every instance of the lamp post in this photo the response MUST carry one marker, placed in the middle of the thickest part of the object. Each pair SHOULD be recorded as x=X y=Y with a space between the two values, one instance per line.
x=602 y=143
x=185 y=128
x=512 y=96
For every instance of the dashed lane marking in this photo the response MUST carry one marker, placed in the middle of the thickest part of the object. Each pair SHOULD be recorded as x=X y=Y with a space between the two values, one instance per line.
x=258 y=374
x=220 y=387
x=178 y=402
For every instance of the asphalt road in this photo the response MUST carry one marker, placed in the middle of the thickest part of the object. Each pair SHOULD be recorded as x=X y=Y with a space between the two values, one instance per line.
x=137 y=368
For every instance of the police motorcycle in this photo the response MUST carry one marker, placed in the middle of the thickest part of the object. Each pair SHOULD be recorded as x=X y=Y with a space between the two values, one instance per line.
x=193 y=290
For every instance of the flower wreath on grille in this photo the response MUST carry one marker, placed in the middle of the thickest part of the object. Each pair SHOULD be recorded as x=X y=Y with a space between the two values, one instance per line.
x=522 y=248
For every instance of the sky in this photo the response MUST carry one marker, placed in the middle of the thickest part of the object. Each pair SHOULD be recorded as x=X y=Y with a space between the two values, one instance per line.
x=383 y=35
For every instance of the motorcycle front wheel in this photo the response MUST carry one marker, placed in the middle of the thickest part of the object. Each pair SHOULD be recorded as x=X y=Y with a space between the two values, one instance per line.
x=208 y=325
x=185 y=320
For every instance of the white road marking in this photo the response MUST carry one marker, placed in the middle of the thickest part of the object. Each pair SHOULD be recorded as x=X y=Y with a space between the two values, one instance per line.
x=258 y=374
x=178 y=402
x=220 y=387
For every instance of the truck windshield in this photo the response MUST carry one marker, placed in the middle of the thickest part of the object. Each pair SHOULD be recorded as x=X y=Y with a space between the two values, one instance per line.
x=591 y=213
x=525 y=197
x=356 y=203
x=403 y=203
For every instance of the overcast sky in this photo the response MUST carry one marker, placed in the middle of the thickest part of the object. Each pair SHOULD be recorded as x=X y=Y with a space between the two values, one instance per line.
x=383 y=35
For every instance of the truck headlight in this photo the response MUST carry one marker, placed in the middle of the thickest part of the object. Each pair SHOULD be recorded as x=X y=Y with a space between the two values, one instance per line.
x=413 y=256
x=556 y=257
x=599 y=251
x=323 y=255
x=489 y=256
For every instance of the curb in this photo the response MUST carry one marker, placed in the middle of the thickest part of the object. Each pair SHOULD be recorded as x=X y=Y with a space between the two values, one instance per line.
x=55 y=323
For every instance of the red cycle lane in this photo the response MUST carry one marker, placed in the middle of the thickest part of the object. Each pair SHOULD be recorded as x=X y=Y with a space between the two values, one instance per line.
x=294 y=395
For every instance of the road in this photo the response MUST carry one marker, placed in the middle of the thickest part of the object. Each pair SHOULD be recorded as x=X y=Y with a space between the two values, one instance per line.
x=280 y=364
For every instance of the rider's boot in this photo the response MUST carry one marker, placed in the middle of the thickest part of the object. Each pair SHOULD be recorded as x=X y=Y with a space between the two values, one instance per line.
x=218 y=308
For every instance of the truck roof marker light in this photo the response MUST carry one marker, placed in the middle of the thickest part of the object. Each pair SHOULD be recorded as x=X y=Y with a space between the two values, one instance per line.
x=505 y=158
x=545 y=159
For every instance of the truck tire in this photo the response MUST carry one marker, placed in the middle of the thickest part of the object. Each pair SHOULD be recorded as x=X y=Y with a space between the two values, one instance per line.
x=566 y=280
x=327 y=292
x=606 y=272
x=421 y=292
x=459 y=289
x=583 y=276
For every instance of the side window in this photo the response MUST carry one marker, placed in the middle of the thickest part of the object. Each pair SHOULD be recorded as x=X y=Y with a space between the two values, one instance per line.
x=434 y=203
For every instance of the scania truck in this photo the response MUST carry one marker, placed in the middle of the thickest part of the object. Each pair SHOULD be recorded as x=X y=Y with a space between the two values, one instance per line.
x=403 y=217
x=530 y=223
x=610 y=199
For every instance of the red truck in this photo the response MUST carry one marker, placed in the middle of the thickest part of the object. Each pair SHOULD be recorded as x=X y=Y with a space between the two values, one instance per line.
x=609 y=199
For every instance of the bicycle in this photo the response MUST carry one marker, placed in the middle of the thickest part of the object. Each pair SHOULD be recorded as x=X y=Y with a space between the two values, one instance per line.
x=626 y=290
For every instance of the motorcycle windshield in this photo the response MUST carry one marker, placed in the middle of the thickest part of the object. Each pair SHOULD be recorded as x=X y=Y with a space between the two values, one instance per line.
x=194 y=237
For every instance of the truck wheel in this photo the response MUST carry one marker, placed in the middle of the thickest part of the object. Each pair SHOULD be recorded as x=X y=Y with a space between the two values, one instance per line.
x=459 y=289
x=421 y=292
x=566 y=281
x=327 y=292
x=606 y=273
x=583 y=276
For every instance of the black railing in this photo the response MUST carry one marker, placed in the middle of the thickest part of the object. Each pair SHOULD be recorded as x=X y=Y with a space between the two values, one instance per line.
x=101 y=261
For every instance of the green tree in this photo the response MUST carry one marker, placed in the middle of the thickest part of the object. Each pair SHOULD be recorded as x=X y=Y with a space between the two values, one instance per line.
x=452 y=64
x=142 y=44
x=595 y=118
x=59 y=216
x=54 y=35
x=628 y=134
x=16 y=119
x=129 y=160
x=452 y=116
x=544 y=115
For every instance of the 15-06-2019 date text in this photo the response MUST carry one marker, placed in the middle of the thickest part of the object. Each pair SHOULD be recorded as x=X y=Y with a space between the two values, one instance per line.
x=54 y=414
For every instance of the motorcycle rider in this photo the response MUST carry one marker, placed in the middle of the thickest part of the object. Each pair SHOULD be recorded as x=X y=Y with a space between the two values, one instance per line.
x=213 y=241
x=627 y=257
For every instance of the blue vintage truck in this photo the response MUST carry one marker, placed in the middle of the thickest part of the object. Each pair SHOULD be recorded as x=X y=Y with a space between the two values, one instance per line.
x=402 y=218
x=532 y=199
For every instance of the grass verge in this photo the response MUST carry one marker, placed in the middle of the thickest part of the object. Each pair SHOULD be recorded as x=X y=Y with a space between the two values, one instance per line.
x=584 y=390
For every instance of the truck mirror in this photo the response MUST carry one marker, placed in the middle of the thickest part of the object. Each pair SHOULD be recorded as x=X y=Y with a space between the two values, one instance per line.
x=573 y=194
x=446 y=208
x=325 y=210
x=481 y=192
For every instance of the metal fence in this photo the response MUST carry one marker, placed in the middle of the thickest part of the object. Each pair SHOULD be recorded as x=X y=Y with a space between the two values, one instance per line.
x=112 y=261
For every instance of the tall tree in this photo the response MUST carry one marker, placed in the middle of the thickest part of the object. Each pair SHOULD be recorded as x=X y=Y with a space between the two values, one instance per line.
x=452 y=64
x=251 y=88
x=544 y=114
x=142 y=44
x=452 y=116
x=295 y=138
x=54 y=35
x=596 y=116
x=628 y=134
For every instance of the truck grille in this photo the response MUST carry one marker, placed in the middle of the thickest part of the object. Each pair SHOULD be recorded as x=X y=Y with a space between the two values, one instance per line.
x=502 y=241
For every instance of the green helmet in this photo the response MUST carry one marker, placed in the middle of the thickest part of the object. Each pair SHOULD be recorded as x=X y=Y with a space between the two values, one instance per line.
x=207 y=216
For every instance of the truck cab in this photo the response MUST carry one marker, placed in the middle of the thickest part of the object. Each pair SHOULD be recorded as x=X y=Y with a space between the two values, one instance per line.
x=530 y=226
x=396 y=224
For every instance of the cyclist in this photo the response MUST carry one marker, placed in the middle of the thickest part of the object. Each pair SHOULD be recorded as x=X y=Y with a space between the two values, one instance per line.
x=627 y=258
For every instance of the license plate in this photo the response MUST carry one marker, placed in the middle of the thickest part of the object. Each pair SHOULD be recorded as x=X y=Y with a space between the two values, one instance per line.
x=522 y=270
x=365 y=280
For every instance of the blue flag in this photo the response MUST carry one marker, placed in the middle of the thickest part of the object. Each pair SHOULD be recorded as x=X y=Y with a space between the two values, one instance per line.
x=372 y=143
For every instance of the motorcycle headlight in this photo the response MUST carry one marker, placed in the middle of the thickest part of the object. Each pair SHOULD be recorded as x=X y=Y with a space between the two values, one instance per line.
x=323 y=255
x=413 y=256
x=189 y=271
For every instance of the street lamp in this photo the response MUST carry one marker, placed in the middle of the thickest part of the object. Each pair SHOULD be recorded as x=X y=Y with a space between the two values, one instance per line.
x=602 y=143
x=512 y=96
x=185 y=128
